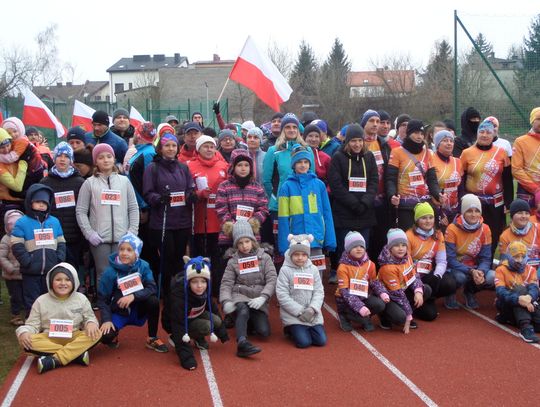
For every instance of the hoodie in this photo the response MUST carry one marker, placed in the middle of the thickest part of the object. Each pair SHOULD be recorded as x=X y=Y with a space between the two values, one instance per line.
x=468 y=131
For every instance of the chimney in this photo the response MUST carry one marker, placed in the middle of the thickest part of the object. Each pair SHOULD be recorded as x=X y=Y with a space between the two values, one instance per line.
x=58 y=84
x=176 y=58
x=216 y=58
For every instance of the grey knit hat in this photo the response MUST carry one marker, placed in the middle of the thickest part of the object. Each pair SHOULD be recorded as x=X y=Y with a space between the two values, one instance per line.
x=300 y=243
x=241 y=229
x=120 y=112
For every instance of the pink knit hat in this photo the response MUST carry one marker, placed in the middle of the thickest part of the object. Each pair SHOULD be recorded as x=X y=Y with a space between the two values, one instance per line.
x=101 y=148
x=14 y=123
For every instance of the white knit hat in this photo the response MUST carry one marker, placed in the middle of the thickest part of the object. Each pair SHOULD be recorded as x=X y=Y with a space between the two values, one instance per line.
x=204 y=139
x=470 y=201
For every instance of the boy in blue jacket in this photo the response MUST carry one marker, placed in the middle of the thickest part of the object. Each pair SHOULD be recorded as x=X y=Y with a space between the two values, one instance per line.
x=127 y=295
x=37 y=242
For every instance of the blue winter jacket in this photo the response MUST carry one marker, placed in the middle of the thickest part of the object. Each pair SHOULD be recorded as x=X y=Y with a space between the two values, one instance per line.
x=115 y=141
x=304 y=207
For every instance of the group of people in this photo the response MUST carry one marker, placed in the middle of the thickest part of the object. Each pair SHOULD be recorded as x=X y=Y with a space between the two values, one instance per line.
x=198 y=230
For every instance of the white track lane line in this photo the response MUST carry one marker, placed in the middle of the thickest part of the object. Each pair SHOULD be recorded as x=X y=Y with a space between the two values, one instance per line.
x=10 y=396
x=413 y=387
x=493 y=322
x=211 y=379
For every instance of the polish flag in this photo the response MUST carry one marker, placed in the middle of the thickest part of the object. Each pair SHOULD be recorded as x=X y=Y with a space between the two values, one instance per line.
x=36 y=113
x=82 y=116
x=256 y=71
x=135 y=118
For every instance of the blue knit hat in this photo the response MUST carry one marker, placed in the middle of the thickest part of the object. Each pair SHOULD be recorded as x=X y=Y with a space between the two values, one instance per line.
x=321 y=124
x=368 y=115
x=289 y=118
x=486 y=125
x=63 y=148
x=440 y=136
x=133 y=241
x=299 y=152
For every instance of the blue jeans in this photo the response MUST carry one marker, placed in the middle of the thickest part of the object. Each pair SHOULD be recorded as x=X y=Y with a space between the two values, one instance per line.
x=466 y=279
x=304 y=336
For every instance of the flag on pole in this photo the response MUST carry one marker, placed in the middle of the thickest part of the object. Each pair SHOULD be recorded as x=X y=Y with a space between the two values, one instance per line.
x=256 y=71
x=36 y=113
x=135 y=118
x=82 y=116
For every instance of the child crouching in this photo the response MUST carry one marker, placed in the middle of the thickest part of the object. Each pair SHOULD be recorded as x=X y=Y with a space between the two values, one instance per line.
x=248 y=284
x=193 y=312
x=359 y=294
x=300 y=294
x=61 y=327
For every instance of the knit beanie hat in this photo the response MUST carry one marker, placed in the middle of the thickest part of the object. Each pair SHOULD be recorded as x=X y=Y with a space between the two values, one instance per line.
x=40 y=192
x=470 y=201
x=277 y=115
x=354 y=239
x=402 y=118
x=289 y=118
x=300 y=243
x=493 y=121
x=486 y=125
x=321 y=124
x=135 y=243
x=101 y=148
x=83 y=156
x=11 y=217
x=63 y=148
x=423 y=209
x=120 y=112
x=242 y=229
x=383 y=115
x=308 y=117
x=413 y=126
x=516 y=248
x=396 y=236
x=353 y=131
x=76 y=133
x=311 y=128
x=61 y=268
x=255 y=131
x=5 y=137
x=248 y=125
x=146 y=131
x=299 y=152
x=535 y=114
x=14 y=123
x=518 y=205
x=31 y=130
x=204 y=139
x=368 y=114
x=100 y=117
x=224 y=134
x=164 y=128
x=440 y=136
x=168 y=137
x=238 y=155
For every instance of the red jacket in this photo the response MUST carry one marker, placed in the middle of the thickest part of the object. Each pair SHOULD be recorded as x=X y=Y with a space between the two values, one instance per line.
x=322 y=163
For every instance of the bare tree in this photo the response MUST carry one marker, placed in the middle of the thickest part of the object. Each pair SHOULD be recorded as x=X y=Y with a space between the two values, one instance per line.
x=15 y=70
x=281 y=57
x=394 y=72
x=47 y=67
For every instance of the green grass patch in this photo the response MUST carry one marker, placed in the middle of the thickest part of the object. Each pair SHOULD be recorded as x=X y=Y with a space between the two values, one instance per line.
x=10 y=350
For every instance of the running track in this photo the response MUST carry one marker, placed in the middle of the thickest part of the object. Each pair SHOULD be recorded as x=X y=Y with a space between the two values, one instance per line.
x=463 y=358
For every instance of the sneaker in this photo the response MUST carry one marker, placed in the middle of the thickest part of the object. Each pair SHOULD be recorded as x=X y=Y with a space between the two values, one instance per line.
x=245 y=349
x=45 y=363
x=450 y=302
x=83 y=360
x=368 y=326
x=384 y=324
x=470 y=300
x=413 y=325
x=501 y=320
x=156 y=344
x=527 y=334
x=201 y=344
x=344 y=323
x=171 y=342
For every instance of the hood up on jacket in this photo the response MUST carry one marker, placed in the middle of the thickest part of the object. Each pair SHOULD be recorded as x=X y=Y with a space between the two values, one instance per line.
x=68 y=270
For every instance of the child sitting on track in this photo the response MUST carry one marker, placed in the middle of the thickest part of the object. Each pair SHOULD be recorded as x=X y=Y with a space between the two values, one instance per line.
x=359 y=294
x=61 y=327
x=300 y=294
x=517 y=292
x=248 y=284
x=398 y=275
x=193 y=312
x=127 y=295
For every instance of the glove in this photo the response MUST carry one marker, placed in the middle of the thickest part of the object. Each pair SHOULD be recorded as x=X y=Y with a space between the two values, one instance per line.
x=215 y=108
x=165 y=197
x=95 y=239
x=229 y=307
x=364 y=311
x=256 y=303
x=307 y=315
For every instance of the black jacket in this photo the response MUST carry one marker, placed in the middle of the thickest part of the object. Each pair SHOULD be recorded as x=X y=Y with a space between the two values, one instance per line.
x=353 y=209
x=468 y=131
x=126 y=135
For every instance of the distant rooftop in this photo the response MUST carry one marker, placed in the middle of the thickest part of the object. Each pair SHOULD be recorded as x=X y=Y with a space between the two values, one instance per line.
x=68 y=91
x=148 y=63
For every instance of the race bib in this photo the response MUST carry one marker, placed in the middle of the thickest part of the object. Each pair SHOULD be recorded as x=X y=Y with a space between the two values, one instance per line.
x=211 y=203
x=358 y=287
x=244 y=212
x=110 y=197
x=248 y=265
x=357 y=184
x=64 y=199
x=409 y=276
x=178 y=199
x=319 y=262
x=423 y=266
x=303 y=281
x=378 y=157
x=130 y=284
x=498 y=199
x=416 y=178
x=44 y=237
x=275 y=227
x=61 y=328
x=450 y=185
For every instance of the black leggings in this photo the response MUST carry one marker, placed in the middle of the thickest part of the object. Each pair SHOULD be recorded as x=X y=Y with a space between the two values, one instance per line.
x=207 y=246
x=256 y=319
x=394 y=313
x=440 y=287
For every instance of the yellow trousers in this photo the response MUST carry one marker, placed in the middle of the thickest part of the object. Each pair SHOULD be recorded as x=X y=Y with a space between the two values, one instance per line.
x=63 y=349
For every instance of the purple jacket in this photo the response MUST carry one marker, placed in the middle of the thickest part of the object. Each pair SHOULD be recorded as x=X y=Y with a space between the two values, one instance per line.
x=174 y=174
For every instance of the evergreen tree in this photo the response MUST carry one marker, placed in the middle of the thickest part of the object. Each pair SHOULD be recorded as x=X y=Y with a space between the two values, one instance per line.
x=528 y=74
x=304 y=73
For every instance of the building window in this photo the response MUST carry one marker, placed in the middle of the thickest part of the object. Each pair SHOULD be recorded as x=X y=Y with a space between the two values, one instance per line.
x=98 y=98
x=130 y=85
x=108 y=98
x=118 y=87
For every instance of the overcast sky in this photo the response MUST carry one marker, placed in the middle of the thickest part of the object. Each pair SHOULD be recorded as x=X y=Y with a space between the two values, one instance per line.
x=94 y=35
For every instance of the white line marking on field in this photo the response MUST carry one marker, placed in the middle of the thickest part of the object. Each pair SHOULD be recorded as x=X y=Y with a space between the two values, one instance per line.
x=10 y=396
x=493 y=322
x=413 y=387
x=211 y=379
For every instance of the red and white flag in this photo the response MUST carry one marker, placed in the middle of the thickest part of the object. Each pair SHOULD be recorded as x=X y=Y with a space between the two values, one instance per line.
x=36 y=113
x=82 y=116
x=1 y=117
x=135 y=118
x=256 y=71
